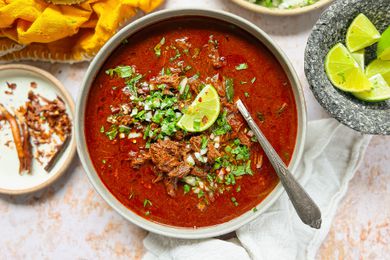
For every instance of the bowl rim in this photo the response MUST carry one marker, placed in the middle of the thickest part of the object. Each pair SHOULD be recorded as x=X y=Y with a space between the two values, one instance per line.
x=281 y=12
x=59 y=88
x=95 y=66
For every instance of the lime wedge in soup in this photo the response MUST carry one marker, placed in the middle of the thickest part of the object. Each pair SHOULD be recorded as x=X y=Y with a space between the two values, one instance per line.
x=361 y=34
x=380 y=90
x=383 y=50
x=203 y=111
x=344 y=72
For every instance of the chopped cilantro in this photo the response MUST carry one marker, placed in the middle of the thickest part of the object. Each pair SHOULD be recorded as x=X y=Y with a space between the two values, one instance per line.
x=186 y=188
x=197 y=124
x=200 y=194
x=229 y=87
x=147 y=202
x=233 y=199
x=124 y=129
x=121 y=71
x=112 y=132
x=253 y=80
x=242 y=66
x=147 y=213
x=254 y=209
x=157 y=48
x=177 y=55
x=102 y=129
x=222 y=126
x=204 y=142
x=246 y=94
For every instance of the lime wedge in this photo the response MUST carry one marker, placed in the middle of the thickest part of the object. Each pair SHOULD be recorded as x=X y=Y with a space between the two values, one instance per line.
x=203 y=111
x=344 y=72
x=361 y=34
x=383 y=50
x=380 y=90
x=359 y=57
x=379 y=67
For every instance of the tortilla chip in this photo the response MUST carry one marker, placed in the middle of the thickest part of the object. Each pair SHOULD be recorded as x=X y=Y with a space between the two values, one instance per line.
x=8 y=46
x=62 y=32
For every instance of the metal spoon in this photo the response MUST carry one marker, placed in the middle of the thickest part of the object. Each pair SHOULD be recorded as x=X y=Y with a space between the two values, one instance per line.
x=305 y=207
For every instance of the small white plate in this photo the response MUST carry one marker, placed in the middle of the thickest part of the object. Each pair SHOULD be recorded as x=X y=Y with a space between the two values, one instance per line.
x=11 y=182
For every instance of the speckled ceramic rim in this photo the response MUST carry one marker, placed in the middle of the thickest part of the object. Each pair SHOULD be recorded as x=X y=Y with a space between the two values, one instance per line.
x=55 y=175
x=94 y=68
x=281 y=12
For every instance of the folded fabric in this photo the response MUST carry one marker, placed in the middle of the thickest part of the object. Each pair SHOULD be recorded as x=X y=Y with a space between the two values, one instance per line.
x=62 y=32
x=332 y=154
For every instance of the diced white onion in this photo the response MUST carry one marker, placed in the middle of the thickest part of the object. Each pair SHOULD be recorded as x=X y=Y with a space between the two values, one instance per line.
x=190 y=160
x=203 y=151
x=250 y=133
x=148 y=116
x=212 y=136
x=122 y=135
x=198 y=156
x=134 y=111
x=190 y=180
x=134 y=135
x=147 y=106
x=228 y=169
x=178 y=114
x=216 y=145
x=182 y=85
x=201 y=184
x=217 y=139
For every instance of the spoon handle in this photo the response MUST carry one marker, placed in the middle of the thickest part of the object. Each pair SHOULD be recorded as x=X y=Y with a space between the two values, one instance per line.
x=305 y=207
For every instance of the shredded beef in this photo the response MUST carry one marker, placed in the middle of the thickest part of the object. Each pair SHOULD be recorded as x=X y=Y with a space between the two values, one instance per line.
x=170 y=80
x=212 y=153
x=198 y=172
x=137 y=160
x=171 y=186
x=166 y=155
x=196 y=143
x=244 y=139
x=182 y=170
x=235 y=122
x=216 y=59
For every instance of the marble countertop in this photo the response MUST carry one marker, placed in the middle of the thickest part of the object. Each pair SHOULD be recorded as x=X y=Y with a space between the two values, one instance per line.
x=69 y=219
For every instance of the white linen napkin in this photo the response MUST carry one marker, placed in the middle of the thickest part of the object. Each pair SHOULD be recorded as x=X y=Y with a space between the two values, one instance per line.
x=332 y=155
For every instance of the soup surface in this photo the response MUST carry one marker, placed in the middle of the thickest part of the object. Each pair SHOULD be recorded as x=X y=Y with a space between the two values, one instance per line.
x=163 y=172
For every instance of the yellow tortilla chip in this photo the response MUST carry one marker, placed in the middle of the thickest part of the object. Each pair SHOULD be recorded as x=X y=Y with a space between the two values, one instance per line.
x=63 y=32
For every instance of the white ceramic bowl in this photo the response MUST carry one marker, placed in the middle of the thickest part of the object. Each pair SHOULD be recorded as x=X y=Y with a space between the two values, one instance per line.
x=282 y=12
x=96 y=65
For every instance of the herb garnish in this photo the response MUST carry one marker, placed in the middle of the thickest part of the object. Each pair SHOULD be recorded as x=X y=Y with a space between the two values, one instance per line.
x=186 y=188
x=253 y=80
x=121 y=71
x=157 y=48
x=229 y=87
x=147 y=202
x=242 y=66
x=222 y=126
x=233 y=199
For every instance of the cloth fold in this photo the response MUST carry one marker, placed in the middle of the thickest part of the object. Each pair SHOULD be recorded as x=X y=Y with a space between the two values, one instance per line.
x=332 y=155
x=63 y=32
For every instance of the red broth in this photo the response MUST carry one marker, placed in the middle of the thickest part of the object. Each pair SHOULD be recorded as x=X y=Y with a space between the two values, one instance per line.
x=270 y=95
